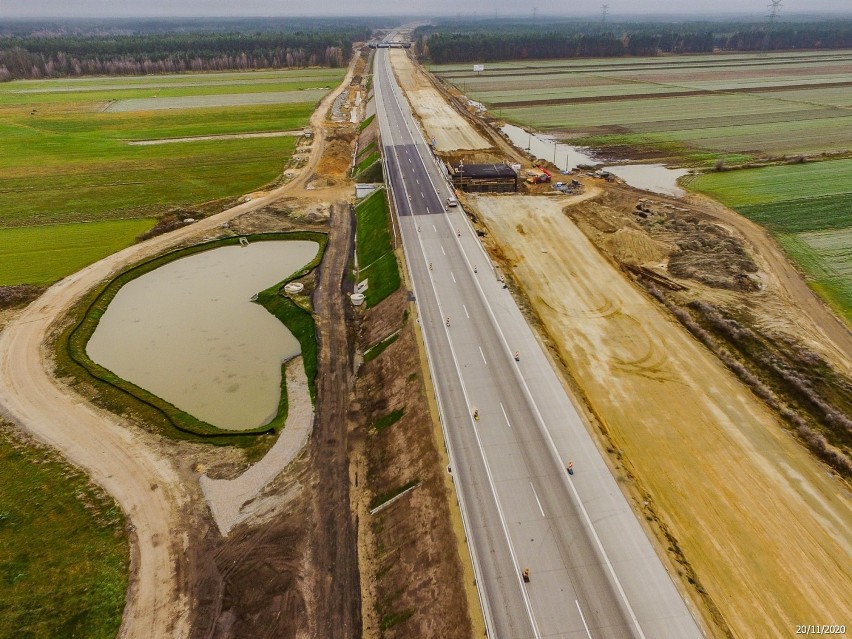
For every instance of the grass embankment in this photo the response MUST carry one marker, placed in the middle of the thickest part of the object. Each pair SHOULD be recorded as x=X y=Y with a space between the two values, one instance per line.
x=64 y=555
x=121 y=396
x=45 y=254
x=376 y=259
x=806 y=207
x=367 y=122
x=377 y=349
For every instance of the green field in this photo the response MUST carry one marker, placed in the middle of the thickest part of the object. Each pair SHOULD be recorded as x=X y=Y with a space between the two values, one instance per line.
x=373 y=245
x=808 y=207
x=691 y=108
x=67 y=159
x=64 y=557
x=44 y=254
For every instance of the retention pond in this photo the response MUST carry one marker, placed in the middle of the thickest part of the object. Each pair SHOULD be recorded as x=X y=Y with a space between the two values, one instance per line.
x=189 y=333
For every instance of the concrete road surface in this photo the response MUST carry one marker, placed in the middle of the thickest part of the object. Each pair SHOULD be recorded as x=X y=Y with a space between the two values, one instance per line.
x=593 y=571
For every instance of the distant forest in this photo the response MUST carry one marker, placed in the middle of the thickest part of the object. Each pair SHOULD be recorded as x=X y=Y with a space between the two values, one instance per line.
x=31 y=50
x=492 y=40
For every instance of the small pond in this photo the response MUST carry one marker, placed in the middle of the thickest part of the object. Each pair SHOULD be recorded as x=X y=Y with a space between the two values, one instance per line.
x=189 y=333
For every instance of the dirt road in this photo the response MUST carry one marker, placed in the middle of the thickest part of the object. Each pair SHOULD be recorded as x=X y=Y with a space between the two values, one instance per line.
x=448 y=128
x=125 y=462
x=766 y=529
x=335 y=591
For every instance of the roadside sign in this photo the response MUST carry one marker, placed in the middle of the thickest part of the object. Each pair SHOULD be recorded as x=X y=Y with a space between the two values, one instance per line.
x=361 y=286
x=478 y=68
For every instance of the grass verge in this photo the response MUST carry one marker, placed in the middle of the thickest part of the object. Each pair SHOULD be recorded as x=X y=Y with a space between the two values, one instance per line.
x=388 y=420
x=121 y=396
x=64 y=554
x=377 y=349
x=373 y=245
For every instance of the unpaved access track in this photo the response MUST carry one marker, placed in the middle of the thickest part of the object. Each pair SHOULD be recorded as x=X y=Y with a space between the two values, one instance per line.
x=450 y=130
x=767 y=530
x=123 y=461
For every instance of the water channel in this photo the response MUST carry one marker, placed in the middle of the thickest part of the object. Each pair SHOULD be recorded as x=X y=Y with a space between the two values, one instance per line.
x=189 y=333
x=656 y=178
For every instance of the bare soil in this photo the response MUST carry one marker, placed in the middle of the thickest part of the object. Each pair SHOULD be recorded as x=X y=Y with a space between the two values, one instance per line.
x=717 y=472
x=450 y=130
x=412 y=572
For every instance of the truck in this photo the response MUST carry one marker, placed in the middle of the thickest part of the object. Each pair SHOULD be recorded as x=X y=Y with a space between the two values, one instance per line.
x=540 y=177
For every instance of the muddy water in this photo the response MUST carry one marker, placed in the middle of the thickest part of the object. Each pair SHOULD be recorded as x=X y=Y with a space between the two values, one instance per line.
x=656 y=178
x=188 y=332
x=565 y=156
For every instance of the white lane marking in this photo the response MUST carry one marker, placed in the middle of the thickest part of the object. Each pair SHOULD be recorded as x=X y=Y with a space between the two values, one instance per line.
x=421 y=193
x=505 y=415
x=465 y=311
x=483 y=356
x=553 y=450
x=418 y=181
x=489 y=476
x=541 y=510
x=453 y=276
x=434 y=229
x=585 y=625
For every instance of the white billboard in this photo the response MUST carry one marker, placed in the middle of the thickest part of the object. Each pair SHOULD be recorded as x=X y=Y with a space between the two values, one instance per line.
x=478 y=68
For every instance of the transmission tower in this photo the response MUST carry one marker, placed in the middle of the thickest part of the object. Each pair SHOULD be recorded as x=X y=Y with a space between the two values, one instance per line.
x=604 y=11
x=774 y=10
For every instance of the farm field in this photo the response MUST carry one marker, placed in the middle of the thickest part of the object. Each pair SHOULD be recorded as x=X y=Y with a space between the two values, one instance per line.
x=807 y=208
x=68 y=158
x=43 y=254
x=63 y=557
x=694 y=109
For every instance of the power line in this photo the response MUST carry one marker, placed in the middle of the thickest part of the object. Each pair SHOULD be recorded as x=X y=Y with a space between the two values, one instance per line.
x=774 y=8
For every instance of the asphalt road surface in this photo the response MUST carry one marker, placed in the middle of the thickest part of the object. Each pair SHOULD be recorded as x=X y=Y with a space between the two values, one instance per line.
x=593 y=571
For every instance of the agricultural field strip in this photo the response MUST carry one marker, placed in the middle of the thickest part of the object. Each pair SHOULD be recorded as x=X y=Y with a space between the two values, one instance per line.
x=307 y=81
x=777 y=183
x=222 y=136
x=44 y=254
x=625 y=113
x=807 y=92
x=215 y=100
x=723 y=61
x=836 y=247
x=178 y=79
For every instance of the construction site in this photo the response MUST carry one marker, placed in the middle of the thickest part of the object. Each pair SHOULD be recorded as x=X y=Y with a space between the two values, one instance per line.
x=713 y=381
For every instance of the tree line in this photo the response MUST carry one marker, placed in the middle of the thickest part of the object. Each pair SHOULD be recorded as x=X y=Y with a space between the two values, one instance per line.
x=496 y=40
x=40 y=56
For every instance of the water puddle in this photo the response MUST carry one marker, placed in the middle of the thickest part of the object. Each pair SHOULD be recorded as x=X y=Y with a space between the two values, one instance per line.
x=566 y=156
x=188 y=332
x=656 y=178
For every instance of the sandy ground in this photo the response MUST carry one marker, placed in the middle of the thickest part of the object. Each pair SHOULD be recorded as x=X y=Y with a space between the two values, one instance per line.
x=127 y=463
x=232 y=501
x=448 y=128
x=767 y=530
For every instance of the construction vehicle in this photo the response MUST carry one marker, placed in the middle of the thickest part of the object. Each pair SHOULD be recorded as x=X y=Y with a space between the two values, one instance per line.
x=540 y=177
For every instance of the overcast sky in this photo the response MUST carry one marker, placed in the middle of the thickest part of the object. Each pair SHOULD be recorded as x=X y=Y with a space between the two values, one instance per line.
x=182 y=8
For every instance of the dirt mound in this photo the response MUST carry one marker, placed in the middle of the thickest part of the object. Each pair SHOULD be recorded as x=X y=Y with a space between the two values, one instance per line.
x=337 y=157
x=635 y=247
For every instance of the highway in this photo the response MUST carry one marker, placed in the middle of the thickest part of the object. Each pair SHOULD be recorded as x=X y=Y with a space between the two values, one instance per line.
x=593 y=571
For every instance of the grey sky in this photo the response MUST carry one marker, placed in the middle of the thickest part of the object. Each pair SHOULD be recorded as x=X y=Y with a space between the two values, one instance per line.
x=181 y=8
